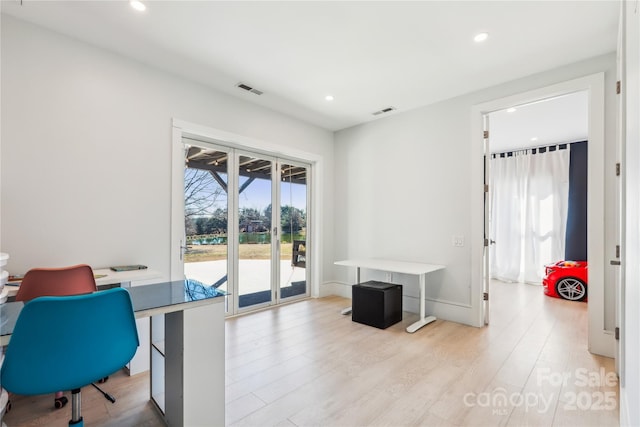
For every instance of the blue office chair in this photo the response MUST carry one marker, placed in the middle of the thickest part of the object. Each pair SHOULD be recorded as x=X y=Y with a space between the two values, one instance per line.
x=73 y=280
x=88 y=336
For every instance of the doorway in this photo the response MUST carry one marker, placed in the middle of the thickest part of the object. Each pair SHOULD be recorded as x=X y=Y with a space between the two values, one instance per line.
x=601 y=340
x=245 y=223
x=539 y=171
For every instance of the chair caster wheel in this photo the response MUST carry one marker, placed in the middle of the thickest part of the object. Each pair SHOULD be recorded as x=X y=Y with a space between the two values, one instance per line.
x=60 y=402
x=103 y=380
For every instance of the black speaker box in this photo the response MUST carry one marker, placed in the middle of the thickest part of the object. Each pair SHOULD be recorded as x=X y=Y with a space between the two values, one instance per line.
x=376 y=304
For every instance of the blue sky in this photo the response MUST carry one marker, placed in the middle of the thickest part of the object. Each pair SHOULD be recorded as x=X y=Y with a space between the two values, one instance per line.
x=258 y=195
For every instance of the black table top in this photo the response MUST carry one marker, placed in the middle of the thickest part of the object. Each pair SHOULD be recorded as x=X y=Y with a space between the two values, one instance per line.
x=147 y=300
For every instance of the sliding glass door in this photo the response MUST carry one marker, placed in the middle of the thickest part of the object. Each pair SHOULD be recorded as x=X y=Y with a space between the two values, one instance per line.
x=255 y=234
x=206 y=216
x=293 y=230
x=245 y=225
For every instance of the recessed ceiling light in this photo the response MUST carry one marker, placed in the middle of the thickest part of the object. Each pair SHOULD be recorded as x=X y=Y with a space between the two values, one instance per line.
x=511 y=110
x=480 y=37
x=534 y=139
x=329 y=97
x=137 y=5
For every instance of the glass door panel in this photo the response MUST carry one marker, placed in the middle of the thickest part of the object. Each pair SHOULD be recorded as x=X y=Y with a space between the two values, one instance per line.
x=245 y=225
x=206 y=216
x=293 y=231
x=254 y=231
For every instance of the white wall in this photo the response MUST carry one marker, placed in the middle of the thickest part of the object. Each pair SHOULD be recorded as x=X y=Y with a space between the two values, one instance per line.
x=630 y=331
x=405 y=187
x=86 y=151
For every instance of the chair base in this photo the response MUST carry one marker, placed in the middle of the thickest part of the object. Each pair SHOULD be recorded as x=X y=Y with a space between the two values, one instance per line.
x=76 y=409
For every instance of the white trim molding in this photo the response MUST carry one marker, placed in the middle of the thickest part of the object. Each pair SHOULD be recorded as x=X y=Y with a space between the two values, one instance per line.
x=600 y=341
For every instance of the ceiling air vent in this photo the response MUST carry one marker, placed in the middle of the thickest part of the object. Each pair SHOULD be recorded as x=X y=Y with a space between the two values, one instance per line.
x=249 y=88
x=384 y=110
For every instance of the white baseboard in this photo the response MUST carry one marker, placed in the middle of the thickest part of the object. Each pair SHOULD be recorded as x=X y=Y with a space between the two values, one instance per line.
x=442 y=310
x=335 y=288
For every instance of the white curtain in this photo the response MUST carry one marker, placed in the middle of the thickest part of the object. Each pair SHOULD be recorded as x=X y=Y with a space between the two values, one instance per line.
x=528 y=213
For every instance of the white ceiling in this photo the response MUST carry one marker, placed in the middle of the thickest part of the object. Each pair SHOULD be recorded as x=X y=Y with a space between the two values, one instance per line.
x=551 y=121
x=368 y=55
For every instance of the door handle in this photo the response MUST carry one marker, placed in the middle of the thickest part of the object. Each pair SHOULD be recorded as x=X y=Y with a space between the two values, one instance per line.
x=614 y=262
x=183 y=249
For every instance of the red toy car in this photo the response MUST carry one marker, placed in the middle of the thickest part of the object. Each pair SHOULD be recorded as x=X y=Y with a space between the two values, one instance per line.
x=566 y=279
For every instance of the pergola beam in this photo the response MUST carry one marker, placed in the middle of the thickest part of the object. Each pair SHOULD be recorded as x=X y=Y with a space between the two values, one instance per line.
x=219 y=180
x=260 y=172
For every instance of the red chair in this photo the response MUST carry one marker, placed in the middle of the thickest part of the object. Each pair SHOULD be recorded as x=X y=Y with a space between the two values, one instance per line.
x=74 y=280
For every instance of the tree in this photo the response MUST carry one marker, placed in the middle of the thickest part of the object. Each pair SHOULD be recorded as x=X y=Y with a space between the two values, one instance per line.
x=292 y=219
x=218 y=221
x=190 y=226
x=201 y=225
x=267 y=216
x=250 y=219
x=202 y=193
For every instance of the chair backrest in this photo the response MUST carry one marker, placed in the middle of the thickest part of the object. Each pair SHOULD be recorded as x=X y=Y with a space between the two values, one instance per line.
x=74 y=280
x=64 y=343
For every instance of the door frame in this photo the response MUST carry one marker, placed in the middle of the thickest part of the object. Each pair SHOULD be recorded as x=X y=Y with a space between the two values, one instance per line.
x=486 y=179
x=621 y=192
x=601 y=341
x=181 y=128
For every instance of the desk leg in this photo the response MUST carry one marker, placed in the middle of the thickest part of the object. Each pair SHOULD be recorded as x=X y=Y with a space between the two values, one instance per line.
x=347 y=310
x=424 y=320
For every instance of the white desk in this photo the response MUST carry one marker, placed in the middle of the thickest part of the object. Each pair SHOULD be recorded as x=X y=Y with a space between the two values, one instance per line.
x=192 y=373
x=416 y=268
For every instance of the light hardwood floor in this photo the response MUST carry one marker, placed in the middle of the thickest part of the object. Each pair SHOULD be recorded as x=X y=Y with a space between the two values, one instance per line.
x=306 y=365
